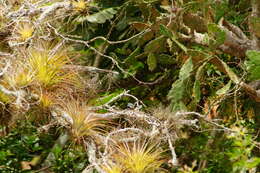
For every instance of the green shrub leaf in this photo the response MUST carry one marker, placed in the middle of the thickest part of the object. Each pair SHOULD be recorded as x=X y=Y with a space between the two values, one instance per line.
x=186 y=69
x=151 y=61
x=253 y=64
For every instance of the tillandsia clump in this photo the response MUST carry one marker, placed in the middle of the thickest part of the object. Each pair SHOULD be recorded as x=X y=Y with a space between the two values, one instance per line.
x=79 y=5
x=129 y=86
x=25 y=31
x=83 y=122
x=139 y=157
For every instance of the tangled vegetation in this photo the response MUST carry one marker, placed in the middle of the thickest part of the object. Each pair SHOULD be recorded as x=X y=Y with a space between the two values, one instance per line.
x=130 y=86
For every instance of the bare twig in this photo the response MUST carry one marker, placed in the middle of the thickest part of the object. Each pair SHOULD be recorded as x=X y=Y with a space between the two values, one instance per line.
x=81 y=68
x=205 y=119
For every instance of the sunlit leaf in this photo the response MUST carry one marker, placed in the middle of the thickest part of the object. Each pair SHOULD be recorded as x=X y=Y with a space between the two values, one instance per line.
x=230 y=72
x=196 y=87
x=151 y=61
x=224 y=90
x=165 y=31
x=106 y=99
x=186 y=69
x=196 y=91
x=217 y=34
x=177 y=91
x=253 y=64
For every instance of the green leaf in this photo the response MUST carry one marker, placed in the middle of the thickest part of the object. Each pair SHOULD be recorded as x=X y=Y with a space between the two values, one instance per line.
x=218 y=35
x=230 y=73
x=196 y=91
x=157 y=45
x=180 y=45
x=165 y=59
x=133 y=69
x=253 y=162
x=253 y=64
x=186 y=69
x=99 y=17
x=151 y=61
x=179 y=106
x=57 y=151
x=200 y=72
x=168 y=33
x=165 y=31
x=107 y=98
x=196 y=87
x=225 y=89
x=131 y=57
x=177 y=91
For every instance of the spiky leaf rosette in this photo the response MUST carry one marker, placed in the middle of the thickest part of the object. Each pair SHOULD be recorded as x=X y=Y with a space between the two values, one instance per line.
x=139 y=157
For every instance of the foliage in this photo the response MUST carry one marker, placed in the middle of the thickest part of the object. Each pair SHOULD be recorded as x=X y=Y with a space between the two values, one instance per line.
x=253 y=64
x=22 y=145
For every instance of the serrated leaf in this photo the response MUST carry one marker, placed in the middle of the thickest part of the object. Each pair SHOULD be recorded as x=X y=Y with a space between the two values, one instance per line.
x=253 y=56
x=225 y=89
x=177 y=91
x=151 y=61
x=180 y=106
x=196 y=87
x=186 y=69
x=99 y=17
x=253 y=64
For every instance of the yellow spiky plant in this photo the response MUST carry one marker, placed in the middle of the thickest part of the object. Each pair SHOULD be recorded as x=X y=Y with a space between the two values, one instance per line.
x=22 y=78
x=49 y=67
x=139 y=157
x=83 y=123
x=113 y=169
x=47 y=100
x=25 y=30
x=43 y=67
x=79 y=5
